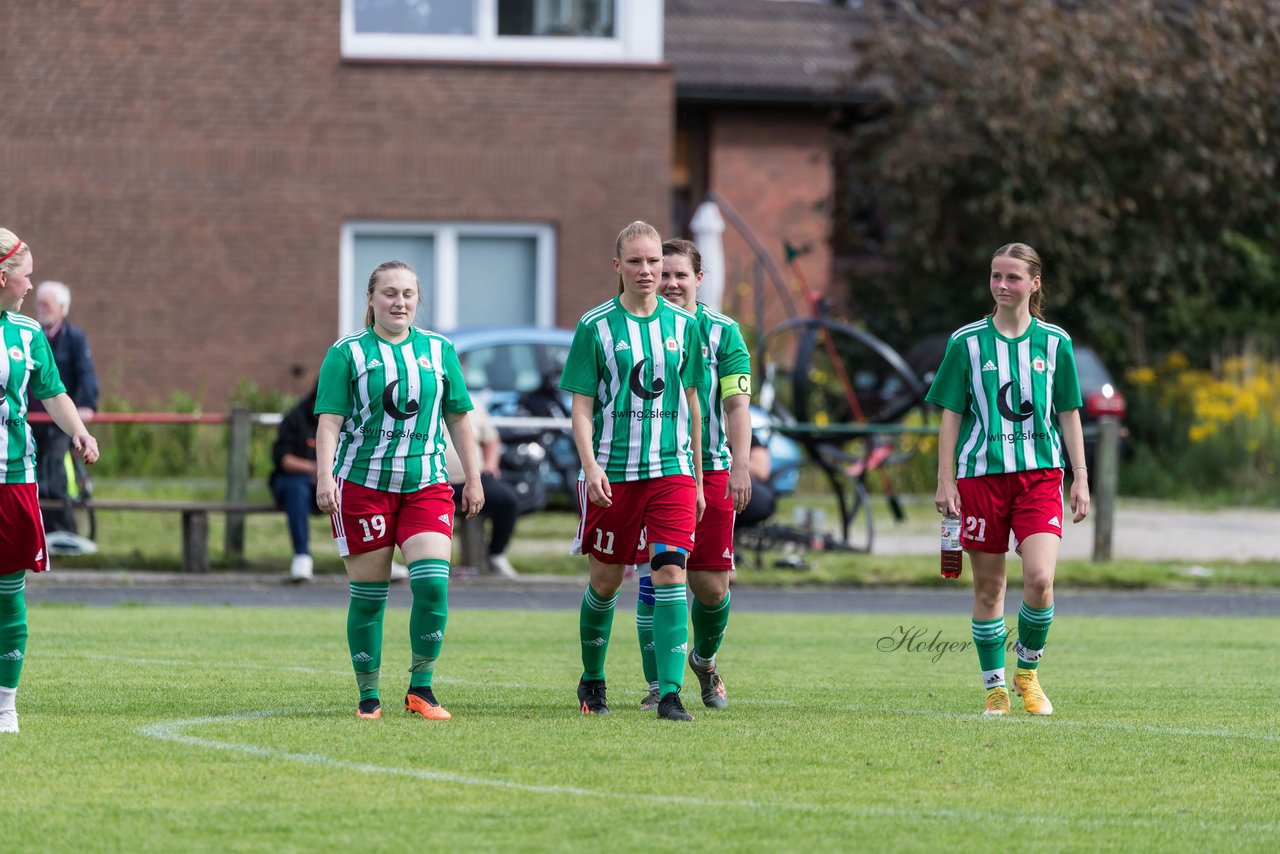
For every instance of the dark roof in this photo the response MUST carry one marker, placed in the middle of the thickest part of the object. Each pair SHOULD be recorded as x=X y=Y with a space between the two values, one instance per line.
x=760 y=50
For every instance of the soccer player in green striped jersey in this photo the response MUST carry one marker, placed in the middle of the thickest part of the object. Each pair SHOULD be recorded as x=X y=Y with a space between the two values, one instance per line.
x=26 y=365
x=1011 y=407
x=634 y=369
x=385 y=397
x=726 y=447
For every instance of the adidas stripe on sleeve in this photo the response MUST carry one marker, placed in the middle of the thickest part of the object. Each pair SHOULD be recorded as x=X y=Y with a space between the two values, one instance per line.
x=392 y=398
x=1009 y=392
x=636 y=369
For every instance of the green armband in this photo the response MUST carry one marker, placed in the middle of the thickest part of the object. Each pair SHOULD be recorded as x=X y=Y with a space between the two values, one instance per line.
x=736 y=384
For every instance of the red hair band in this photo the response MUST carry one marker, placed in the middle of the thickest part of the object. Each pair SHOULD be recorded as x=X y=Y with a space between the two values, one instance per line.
x=4 y=258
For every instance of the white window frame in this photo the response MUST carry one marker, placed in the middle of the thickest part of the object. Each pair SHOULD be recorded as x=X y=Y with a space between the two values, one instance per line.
x=637 y=39
x=443 y=309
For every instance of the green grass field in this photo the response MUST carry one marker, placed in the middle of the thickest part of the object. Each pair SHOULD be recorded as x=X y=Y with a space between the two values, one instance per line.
x=228 y=729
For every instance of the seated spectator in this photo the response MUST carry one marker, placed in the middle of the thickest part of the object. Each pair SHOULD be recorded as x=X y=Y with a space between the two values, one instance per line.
x=763 y=502
x=293 y=484
x=500 y=502
x=293 y=479
x=75 y=363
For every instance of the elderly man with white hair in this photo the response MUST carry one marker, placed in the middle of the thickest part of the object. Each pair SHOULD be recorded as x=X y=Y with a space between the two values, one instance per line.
x=75 y=364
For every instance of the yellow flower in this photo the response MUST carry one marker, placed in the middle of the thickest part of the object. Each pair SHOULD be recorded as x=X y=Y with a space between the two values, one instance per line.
x=1142 y=376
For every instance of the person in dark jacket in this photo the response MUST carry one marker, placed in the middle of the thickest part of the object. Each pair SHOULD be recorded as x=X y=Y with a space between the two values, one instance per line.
x=293 y=478
x=75 y=363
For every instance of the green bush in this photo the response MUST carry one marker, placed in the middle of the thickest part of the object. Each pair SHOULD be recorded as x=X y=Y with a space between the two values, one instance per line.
x=184 y=450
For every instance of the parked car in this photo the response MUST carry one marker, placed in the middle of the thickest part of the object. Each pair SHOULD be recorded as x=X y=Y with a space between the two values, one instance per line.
x=516 y=370
x=1097 y=388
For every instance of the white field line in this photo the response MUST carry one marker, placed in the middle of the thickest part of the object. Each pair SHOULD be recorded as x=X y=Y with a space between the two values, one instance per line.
x=173 y=731
x=517 y=686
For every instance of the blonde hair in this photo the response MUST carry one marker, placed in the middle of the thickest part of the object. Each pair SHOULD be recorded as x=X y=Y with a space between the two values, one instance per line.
x=1031 y=258
x=8 y=240
x=373 y=283
x=639 y=228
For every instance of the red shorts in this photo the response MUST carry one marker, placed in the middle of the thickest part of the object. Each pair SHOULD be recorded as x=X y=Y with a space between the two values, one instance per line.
x=22 y=534
x=713 y=545
x=370 y=519
x=1028 y=502
x=659 y=510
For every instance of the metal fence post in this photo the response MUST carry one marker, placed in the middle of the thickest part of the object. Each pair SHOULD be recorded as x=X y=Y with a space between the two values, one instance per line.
x=1105 y=484
x=237 y=479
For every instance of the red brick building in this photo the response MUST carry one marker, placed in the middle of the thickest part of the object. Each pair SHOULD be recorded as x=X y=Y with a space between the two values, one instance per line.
x=215 y=180
x=760 y=86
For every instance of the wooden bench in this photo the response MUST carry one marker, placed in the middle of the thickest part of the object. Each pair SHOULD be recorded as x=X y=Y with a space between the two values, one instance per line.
x=195 y=521
x=195 y=527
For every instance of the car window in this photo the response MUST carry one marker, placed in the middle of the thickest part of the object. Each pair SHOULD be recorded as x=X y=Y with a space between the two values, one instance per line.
x=502 y=367
x=1093 y=374
x=556 y=355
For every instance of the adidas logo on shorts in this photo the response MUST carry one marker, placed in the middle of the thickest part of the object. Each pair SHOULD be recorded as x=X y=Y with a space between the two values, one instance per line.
x=727 y=553
x=444 y=517
x=1055 y=522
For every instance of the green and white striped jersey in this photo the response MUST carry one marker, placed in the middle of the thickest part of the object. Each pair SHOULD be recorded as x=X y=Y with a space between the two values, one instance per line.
x=26 y=367
x=726 y=356
x=1009 y=392
x=636 y=369
x=392 y=398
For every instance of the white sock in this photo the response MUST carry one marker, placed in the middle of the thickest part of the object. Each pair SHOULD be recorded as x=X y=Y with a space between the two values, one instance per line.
x=8 y=696
x=703 y=662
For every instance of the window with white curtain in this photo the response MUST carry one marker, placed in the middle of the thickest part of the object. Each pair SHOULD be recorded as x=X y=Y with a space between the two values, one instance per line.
x=470 y=274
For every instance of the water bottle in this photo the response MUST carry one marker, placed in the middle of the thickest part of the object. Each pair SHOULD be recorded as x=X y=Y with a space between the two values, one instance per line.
x=952 y=554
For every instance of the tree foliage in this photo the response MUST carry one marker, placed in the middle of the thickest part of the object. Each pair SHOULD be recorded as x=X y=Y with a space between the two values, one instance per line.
x=1134 y=144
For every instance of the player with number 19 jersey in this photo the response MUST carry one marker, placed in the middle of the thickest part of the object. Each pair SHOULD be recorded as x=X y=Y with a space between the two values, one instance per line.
x=636 y=370
x=1009 y=392
x=392 y=398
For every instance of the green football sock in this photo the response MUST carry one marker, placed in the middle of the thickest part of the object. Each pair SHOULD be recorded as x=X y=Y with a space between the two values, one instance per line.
x=644 y=629
x=429 y=583
x=364 y=633
x=595 y=622
x=989 y=637
x=1033 y=631
x=709 y=622
x=13 y=627
x=670 y=635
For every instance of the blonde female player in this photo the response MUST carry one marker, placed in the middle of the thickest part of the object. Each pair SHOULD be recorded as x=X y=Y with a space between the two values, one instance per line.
x=1010 y=398
x=26 y=365
x=726 y=449
x=386 y=395
x=634 y=368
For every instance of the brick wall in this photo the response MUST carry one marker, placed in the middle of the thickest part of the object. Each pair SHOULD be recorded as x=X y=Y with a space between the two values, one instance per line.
x=774 y=167
x=186 y=168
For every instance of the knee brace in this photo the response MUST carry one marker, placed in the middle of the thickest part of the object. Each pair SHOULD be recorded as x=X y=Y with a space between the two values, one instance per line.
x=669 y=557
